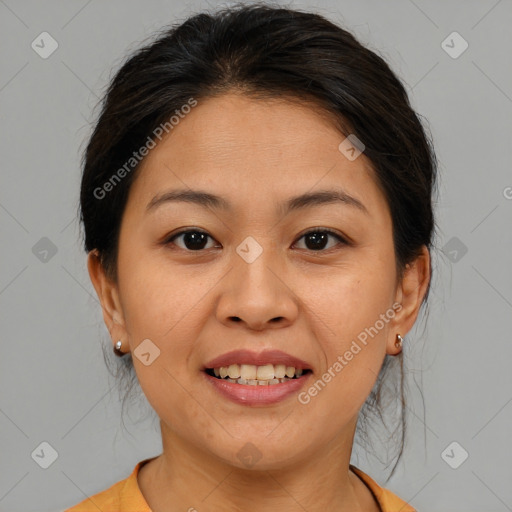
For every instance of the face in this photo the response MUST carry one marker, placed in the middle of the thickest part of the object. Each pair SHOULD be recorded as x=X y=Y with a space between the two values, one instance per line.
x=252 y=271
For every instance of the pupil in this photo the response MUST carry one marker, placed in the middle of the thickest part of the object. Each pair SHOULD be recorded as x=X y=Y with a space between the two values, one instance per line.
x=318 y=239
x=194 y=240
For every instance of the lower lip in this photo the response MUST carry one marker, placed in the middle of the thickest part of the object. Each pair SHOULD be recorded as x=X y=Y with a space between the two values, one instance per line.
x=245 y=394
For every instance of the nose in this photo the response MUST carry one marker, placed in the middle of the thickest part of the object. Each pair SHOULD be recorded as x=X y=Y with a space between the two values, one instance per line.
x=256 y=295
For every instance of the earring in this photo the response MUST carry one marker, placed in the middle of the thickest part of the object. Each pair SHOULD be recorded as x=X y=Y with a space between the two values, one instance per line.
x=399 y=341
x=117 y=349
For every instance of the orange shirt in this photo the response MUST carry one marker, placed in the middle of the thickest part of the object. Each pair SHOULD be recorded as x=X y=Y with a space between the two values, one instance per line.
x=125 y=496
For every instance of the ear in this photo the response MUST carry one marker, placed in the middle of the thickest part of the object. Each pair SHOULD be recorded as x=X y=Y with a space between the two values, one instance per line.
x=410 y=293
x=108 y=295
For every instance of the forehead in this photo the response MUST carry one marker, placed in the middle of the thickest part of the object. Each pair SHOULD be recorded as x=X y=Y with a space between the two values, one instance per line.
x=232 y=126
x=245 y=148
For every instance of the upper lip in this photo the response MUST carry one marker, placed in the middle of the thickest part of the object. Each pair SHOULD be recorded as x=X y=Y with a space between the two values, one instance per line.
x=257 y=359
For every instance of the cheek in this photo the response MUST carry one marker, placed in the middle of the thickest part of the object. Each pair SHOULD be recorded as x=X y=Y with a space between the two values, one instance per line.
x=353 y=317
x=157 y=298
x=349 y=301
x=160 y=306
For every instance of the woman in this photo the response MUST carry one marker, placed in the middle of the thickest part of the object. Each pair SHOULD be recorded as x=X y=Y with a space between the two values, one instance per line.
x=257 y=207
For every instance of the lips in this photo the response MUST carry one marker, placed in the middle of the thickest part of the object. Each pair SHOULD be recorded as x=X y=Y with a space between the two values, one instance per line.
x=256 y=396
x=274 y=357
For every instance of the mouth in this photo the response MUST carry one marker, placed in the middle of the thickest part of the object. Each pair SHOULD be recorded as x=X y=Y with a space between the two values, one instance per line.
x=267 y=389
x=257 y=378
x=252 y=375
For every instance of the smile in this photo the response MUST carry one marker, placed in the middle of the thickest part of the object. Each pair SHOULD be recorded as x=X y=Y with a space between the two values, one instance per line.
x=268 y=387
x=252 y=375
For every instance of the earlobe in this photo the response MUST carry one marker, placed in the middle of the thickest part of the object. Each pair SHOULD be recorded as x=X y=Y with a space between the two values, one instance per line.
x=398 y=344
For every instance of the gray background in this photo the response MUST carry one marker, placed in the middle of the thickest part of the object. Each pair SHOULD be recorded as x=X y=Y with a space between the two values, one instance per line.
x=54 y=384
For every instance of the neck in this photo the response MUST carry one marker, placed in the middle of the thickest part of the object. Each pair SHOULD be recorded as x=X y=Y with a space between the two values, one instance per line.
x=186 y=478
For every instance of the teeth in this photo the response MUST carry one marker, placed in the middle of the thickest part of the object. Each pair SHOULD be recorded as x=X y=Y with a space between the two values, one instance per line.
x=290 y=371
x=234 y=371
x=265 y=372
x=257 y=375
x=248 y=371
x=279 y=371
x=259 y=382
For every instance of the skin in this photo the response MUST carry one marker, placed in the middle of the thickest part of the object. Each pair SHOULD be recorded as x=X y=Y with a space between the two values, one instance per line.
x=197 y=305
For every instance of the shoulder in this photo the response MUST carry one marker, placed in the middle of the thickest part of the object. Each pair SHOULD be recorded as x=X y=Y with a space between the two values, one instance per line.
x=105 y=500
x=388 y=501
x=123 y=496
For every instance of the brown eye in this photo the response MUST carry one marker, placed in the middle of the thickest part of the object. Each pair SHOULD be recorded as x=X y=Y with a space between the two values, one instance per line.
x=192 y=239
x=316 y=240
x=195 y=240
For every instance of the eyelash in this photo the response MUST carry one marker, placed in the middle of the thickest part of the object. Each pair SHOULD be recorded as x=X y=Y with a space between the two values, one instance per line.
x=342 y=241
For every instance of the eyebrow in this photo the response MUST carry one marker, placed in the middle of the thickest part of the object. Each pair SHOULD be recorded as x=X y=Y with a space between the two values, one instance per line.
x=208 y=200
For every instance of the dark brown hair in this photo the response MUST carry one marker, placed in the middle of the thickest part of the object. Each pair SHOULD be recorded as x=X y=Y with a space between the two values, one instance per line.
x=266 y=51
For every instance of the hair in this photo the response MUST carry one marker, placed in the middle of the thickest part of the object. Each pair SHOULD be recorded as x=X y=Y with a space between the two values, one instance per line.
x=266 y=52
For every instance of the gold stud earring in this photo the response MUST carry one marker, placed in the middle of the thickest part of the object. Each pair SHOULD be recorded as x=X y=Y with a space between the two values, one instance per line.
x=399 y=341
x=117 y=349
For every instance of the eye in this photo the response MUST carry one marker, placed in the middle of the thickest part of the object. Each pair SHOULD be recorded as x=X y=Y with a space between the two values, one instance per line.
x=317 y=238
x=193 y=239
